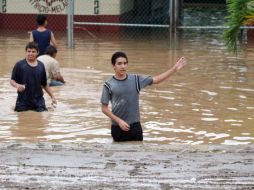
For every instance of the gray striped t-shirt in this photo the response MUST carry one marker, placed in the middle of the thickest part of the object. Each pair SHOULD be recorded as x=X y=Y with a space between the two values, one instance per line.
x=124 y=96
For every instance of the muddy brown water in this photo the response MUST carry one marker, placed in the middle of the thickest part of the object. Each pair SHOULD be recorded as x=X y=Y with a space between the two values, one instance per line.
x=211 y=101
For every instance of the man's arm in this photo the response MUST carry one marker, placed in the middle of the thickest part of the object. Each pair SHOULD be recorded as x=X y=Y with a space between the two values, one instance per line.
x=53 y=40
x=59 y=77
x=124 y=126
x=48 y=90
x=19 y=87
x=163 y=76
x=31 y=38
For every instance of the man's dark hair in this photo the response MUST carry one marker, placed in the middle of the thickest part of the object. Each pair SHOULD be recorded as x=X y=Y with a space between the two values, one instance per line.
x=32 y=45
x=117 y=55
x=51 y=50
x=41 y=18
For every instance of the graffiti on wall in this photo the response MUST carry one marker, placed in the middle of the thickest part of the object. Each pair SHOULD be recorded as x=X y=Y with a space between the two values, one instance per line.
x=96 y=7
x=4 y=6
x=49 y=6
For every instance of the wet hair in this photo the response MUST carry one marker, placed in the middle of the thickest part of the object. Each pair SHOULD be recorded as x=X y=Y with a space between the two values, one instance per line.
x=41 y=19
x=117 y=55
x=51 y=50
x=32 y=45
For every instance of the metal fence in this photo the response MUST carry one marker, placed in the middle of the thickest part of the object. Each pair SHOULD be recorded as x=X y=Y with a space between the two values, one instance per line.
x=114 y=16
x=158 y=13
x=146 y=15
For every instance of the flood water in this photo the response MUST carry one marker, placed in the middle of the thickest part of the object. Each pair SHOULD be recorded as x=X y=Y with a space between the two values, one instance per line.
x=210 y=101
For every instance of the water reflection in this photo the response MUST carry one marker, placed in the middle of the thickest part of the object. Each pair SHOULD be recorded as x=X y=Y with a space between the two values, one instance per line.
x=211 y=101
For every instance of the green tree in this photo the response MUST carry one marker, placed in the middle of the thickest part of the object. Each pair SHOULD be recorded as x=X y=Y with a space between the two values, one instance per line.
x=241 y=13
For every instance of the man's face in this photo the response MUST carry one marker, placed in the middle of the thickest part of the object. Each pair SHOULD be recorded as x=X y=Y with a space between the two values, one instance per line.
x=31 y=54
x=120 y=66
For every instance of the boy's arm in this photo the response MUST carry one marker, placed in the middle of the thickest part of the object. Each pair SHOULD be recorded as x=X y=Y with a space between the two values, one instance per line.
x=19 y=87
x=163 y=76
x=59 y=77
x=53 y=40
x=48 y=90
x=124 y=126
x=31 y=38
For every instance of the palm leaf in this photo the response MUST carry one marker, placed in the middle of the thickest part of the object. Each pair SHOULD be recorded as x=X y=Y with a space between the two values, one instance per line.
x=238 y=14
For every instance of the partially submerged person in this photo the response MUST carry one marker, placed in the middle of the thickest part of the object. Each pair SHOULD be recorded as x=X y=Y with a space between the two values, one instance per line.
x=29 y=78
x=42 y=36
x=122 y=90
x=54 y=76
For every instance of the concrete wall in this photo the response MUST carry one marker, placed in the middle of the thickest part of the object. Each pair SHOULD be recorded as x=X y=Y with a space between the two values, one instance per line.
x=81 y=7
x=21 y=14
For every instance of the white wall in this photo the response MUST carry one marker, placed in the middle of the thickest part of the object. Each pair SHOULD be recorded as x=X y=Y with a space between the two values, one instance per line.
x=81 y=7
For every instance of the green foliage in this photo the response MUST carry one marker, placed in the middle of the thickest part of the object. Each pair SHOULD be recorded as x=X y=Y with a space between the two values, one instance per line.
x=237 y=10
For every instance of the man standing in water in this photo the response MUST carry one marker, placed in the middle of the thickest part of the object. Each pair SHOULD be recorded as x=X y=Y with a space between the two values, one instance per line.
x=52 y=68
x=29 y=77
x=122 y=90
x=42 y=36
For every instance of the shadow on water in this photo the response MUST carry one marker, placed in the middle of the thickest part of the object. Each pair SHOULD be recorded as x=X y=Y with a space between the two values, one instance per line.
x=211 y=101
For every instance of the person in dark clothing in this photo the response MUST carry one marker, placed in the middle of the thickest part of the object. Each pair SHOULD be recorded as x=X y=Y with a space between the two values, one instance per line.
x=42 y=36
x=29 y=77
x=122 y=90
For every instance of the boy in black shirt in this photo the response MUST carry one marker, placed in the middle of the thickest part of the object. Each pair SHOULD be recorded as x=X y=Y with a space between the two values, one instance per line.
x=29 y=77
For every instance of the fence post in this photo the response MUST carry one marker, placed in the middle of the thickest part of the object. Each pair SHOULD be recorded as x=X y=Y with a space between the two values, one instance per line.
x=174 y=13
x=175 y=7
x=70 y=22
x=171 y=14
